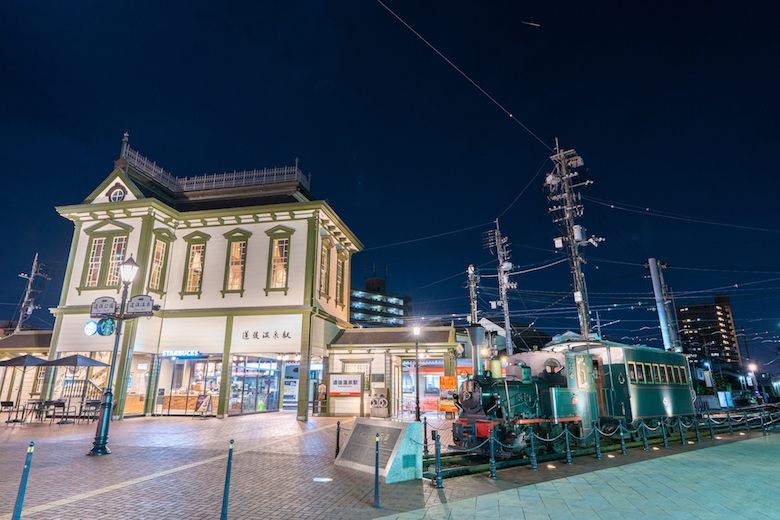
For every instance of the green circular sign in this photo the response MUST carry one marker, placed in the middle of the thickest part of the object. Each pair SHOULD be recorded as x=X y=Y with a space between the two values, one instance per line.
x=106 y=327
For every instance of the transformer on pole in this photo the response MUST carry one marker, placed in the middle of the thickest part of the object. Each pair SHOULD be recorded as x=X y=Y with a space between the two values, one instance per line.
x=566 y=207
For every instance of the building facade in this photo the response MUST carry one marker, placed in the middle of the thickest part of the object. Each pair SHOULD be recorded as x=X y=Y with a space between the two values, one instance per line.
x=373 y=307
x=250 y=273
x=708 y=334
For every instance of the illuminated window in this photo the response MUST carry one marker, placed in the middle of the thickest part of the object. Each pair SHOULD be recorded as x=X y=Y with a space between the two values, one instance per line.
x=656 y=374
x=676 y=374
x=95 y=259
x=640 y=374
x=155 y=277
x=106 y=250
x=341 y=258
x=278 y=259
x=663 y=374
x=235 y=262
x=116 y=258
x=194 y=263
x=325 y=268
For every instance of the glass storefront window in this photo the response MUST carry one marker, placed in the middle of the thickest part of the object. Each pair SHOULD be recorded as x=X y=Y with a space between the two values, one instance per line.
x=182 y=380
x=254 y=385
x=138 y=384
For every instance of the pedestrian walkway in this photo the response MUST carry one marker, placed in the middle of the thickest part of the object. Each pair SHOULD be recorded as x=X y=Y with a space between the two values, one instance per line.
x=732 y=481
x=174 y=468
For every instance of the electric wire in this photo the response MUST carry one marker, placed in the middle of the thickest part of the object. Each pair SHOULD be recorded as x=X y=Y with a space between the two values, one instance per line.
x=442 y=56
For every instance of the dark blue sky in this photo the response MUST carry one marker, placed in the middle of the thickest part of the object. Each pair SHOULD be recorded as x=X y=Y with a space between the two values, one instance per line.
x=672 y=105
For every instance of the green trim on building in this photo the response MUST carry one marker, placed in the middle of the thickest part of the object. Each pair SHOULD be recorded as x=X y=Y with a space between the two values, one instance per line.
x=304 y=369
x=196 y=238
x=227 y=370
x=110 y=181
x=97 y=232
x=235 y=236
x=74 y=245
x=164 y=236
x=279 y=233
x=311 y=260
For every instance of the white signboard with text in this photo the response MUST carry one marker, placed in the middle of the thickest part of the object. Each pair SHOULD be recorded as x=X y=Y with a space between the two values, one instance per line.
x=270 y=333
x=342 y=385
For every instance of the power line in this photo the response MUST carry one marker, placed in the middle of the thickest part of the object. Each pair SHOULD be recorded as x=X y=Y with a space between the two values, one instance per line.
x=442 y=56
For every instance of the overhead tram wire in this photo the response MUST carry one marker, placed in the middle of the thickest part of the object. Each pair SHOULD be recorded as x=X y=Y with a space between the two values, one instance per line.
x=474 y=83
x=663 y=214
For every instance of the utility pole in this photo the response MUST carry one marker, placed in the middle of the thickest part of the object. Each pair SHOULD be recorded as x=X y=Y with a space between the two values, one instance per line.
x=566 y=208
x=504 y=267
x=473 y=281
x=668 y=331
x=28 y=306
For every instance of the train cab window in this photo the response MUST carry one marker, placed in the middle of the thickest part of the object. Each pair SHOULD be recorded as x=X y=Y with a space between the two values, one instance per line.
x=632 y=372
x=640 y=373
x=648 y=374
x=663 y=374
x=656 y=374
x=683 y=376
x=676 y=374
x=552 y=367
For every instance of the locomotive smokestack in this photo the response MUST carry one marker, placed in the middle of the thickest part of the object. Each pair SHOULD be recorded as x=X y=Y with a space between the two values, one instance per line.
x=476 y=337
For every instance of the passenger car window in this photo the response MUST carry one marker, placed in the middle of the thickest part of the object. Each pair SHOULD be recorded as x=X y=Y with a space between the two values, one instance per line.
x=676 y=374
x=648 y=374
x=632 y=372
x=663 y=374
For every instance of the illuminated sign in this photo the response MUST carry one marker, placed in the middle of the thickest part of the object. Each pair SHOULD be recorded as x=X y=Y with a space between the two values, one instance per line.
x=90 y=328
x=346 y=384
x=103 y=306
x=106 y=327
x=180 y=353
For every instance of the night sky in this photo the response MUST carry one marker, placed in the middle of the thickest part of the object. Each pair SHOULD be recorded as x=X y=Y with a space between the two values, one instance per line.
x=672 y=105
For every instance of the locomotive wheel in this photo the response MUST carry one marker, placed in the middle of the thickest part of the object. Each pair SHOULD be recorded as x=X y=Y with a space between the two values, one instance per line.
x=557 y=446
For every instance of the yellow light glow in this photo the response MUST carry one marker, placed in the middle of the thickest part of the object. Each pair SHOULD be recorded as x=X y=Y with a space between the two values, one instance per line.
x=611 y=456
x=656 y=448
x=550 y=466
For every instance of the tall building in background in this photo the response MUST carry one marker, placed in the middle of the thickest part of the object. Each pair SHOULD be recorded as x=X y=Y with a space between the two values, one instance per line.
x=707 y=332
x=373 y=307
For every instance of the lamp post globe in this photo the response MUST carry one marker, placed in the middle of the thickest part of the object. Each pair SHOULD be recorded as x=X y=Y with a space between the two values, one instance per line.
x=127 y=271
x=417 y=373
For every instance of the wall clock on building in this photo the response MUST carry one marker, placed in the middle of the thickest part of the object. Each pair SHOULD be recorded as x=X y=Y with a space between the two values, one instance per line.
x=117 y=193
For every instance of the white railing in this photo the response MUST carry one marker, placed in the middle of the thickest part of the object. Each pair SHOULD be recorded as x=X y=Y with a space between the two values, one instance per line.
x=216 y=180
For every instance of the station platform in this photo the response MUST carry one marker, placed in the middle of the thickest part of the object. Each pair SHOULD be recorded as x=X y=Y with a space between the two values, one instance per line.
x=174 y=468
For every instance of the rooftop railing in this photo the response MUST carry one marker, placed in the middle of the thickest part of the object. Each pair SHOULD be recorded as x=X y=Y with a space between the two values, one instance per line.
x=215 y=180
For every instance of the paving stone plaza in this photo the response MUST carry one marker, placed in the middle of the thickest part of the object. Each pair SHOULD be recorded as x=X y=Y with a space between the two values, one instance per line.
x=174 y=468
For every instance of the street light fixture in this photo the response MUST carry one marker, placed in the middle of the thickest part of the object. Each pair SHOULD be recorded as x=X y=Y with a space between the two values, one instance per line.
x=127 y=272
x=417 y=373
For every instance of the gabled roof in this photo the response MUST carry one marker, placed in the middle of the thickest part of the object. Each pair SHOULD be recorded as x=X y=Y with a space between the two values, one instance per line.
x=394 y=336
x=26 y=340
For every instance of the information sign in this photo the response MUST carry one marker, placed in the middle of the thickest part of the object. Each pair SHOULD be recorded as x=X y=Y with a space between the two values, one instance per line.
x=448 y=386
x=140 y=305
x=346 y=384
x=103 y=306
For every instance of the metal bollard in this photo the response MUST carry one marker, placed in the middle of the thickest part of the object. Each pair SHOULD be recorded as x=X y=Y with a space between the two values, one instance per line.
x=23 y=484
x=763 y=426
x=492 y=457
x=696 y=427
x=533 y=452
x=438 y=461
x=226 y=493
x=728 y=418
x=425 y=435
x=709 y=423
x=644 y=434
x=682 y=432
x=663 y=429
x=596 y=439
x=568 y=449
x=338 y=434
x=622 y=441
x=376 y=473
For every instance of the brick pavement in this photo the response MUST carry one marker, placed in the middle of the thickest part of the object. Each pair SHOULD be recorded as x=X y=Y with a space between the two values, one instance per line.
x=172 y=467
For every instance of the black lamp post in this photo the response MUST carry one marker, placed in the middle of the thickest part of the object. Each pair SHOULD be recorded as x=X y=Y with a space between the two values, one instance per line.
x=417 y=373
x=127 y=271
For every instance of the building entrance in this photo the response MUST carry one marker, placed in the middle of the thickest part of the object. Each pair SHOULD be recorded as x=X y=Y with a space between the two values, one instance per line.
x=254 y=385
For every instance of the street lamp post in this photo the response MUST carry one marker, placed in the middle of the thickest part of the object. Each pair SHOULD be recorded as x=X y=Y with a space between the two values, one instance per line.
x=127 y=271
x=417 y=373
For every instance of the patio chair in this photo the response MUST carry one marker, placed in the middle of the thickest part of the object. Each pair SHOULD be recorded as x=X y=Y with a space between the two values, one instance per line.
x=90 y=410
x=62 y=406
x=7 y=406
x=47 y=408
x=33 y=409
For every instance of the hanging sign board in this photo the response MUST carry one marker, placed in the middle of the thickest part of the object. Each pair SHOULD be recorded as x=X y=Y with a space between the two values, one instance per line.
x=103 y=306
x=448 y=386
x=140 y=305
x=346 y=384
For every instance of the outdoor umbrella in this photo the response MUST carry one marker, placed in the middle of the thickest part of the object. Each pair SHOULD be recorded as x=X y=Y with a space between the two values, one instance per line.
x=22 y=361
x=76 y=360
